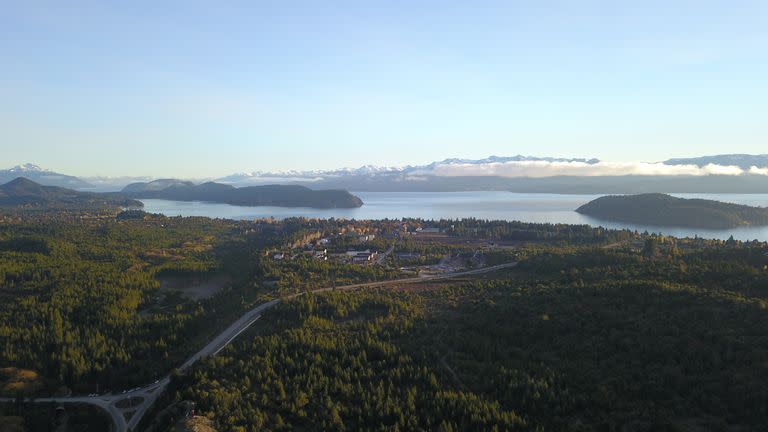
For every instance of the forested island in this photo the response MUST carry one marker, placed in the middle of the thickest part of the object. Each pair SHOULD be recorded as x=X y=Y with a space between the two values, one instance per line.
x=268 y=195
x=665 y=210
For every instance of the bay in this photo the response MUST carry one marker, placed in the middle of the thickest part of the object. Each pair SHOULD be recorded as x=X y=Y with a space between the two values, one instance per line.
x=525 y=207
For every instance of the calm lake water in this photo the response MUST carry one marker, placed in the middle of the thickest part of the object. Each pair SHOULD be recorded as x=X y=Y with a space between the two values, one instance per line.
x=541 y=208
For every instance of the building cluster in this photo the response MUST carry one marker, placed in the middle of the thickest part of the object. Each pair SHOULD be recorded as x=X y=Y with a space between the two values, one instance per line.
x=351 y=256
x=351 y=243
x=316 y=246
x=361 y=257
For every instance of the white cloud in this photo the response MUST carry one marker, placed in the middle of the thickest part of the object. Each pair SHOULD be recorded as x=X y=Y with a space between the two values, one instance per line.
x=549 y=169
x=759 y=171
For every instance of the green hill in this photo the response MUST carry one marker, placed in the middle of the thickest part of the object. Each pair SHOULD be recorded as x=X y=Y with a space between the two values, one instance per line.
x=24 y=192
x=269 y=195
x=665 y=210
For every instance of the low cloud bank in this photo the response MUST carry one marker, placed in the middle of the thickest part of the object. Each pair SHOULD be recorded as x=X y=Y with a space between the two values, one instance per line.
x=549 y=169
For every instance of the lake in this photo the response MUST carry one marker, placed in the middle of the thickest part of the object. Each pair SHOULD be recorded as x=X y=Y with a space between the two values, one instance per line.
x=525 y=207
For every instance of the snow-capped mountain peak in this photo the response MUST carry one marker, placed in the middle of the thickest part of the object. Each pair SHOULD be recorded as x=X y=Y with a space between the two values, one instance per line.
x=26 y=168
x=377 y=170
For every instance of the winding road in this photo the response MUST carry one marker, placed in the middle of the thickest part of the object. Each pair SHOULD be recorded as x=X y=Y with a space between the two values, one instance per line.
x=127 y=409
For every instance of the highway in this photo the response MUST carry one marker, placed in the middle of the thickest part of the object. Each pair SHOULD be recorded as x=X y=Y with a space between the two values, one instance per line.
x=126 y=418
x=383 y=256
x=153 y=391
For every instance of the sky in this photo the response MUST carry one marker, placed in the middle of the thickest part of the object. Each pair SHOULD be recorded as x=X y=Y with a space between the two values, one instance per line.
x=205 y=89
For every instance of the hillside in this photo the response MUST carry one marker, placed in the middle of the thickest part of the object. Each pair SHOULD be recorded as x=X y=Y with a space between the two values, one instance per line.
x=268 y=195
x=665 y=210
x=155 y=185
x=25 y=192
x=42 y=176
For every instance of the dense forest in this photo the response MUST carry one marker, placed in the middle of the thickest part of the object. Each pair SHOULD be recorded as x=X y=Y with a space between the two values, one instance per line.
x=563 y=234
x=660 y=338
x=76 y=295
x=81 y=303
x=593 y=330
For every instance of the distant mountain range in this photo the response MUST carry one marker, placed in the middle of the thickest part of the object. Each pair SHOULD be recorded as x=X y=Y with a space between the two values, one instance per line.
x=22 y=192
x=743 y=161
x=665 y=210
x=268 y=195
x=380 y=171
x=730 y=173
x=715 y=174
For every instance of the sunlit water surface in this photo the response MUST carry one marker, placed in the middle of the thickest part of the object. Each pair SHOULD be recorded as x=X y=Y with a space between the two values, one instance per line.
x=526 y=207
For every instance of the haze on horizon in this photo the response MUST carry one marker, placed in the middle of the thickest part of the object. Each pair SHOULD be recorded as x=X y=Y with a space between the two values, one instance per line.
x=183 y=90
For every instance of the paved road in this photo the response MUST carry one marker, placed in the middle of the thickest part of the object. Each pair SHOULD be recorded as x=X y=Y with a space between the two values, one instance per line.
x=153 y=391
x=415 y=279
x=127 y=418
x=384 y=255
x=105 y=403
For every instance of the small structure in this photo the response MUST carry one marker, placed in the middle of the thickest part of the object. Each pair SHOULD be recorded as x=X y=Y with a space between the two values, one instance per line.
x=407 y=255
x=429 y=230
x=363 y=257
x=278 y=256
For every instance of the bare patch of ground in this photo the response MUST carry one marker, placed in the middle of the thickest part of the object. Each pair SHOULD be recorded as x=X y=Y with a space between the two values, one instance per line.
x=14 y=380
x=195 y=287
x=195 y=424
x=12 y=424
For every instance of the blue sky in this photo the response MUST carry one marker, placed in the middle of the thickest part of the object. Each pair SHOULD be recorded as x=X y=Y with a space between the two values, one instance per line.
x=194 y=89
